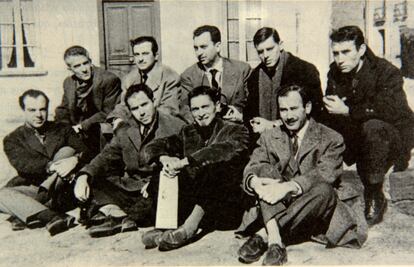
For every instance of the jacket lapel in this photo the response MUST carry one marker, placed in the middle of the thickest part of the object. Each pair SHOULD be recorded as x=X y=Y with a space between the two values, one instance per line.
x=282 y=147
x=96 y=84
x=310 y=140
x=33 y=142
x=135 y=136
x=228 y=80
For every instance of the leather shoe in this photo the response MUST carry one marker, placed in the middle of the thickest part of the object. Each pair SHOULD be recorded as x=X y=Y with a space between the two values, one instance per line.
x=275 y=255
x=152 y=238
x=173 y=239
x=252 y=249
x=112 y=226
x=97 y=219
x=376 y=205
x=16 y=223
x=60 y=224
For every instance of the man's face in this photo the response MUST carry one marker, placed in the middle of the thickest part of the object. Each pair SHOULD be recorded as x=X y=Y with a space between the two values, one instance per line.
x=292 y=112
x=269 y=51
x=203 y=109
x=35 y=111
x=205 y=50
x=346 y=55
x=142 y=108
x=143 y=56
x=81 y=66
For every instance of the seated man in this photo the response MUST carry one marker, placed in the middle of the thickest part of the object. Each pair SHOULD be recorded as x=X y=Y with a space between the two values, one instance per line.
x=207 y=158
x=229 y=76
x=89 y=95
x=126 y=198
x=44 y=155
x=162 y=80
x=292 y=173
x=368 y=106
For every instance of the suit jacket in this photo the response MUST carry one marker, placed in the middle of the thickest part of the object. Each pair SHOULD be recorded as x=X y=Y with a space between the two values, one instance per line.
x=295 y=72
x=234 y=84
x=374 y=92
x=106 y=91
x=319 y=160
x=30 y=158
x=224 y=154
x=124 y=152
x=164 y=83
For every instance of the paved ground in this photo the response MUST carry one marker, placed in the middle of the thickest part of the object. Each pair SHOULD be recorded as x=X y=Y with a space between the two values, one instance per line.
x=391 y=242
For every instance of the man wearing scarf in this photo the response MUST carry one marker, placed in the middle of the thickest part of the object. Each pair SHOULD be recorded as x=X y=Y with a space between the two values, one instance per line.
x=278 y=68
x=368 y=106
x=89 y=95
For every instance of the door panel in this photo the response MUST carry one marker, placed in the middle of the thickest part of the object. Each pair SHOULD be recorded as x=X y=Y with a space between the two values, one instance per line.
x=124 y=21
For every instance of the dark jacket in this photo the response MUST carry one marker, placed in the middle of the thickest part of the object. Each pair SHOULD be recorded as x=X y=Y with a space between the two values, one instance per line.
x=375 y=92
x=125 y=153
x=320 y=160
x=30 y=158
x=222 y=155
x=105 y=94
x=295 y=72
x=234 y=84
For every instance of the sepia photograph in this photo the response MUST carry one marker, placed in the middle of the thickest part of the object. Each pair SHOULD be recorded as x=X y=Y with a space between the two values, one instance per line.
x=206 y=132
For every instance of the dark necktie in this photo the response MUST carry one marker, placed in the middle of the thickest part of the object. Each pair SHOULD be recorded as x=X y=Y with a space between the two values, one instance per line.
x=214 y=83
x=144 y=77
x=295 y=145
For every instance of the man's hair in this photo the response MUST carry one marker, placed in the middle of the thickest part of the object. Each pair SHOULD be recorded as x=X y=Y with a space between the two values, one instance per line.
x=34 y=94
x=76 y=50
x=263 y=34
x=348 y=33
x=213 y=30
x=144 y=39
x=294 y=88
x=136 y=88
x=214 y=94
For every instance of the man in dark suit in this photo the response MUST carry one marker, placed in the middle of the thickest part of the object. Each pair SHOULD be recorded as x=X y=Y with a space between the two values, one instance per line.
x=44 y=155
x=207 y=157
x=126 y=198
x=292 y=173
x=367 y=105
x=89 y=95
x=278 y=69
x=226 y=75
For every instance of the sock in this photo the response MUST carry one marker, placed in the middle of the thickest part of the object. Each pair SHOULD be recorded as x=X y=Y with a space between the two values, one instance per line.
x=273 y=233
x=263 y=234
x=191 y=223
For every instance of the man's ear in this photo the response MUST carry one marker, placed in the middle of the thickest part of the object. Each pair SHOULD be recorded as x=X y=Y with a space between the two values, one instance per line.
x=156 y=56
x=218 y=46
x=308 y=107
x=281 y=45
x=362 y=49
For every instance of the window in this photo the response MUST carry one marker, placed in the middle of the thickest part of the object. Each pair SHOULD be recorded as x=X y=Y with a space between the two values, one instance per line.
x=18 y=45
x=243 y=20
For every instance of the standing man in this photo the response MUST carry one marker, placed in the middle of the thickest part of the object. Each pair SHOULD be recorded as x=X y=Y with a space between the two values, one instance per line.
x=225 y=75
x=207 y=157
x=278 y=69
x=44 y=154
x=292 y=173
x=127 y=197
x=161 y=79
x=89 y=95
x=368 y=106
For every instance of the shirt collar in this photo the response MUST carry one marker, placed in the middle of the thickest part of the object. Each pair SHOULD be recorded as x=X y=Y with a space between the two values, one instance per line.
x=301 y=133
x=217 y=66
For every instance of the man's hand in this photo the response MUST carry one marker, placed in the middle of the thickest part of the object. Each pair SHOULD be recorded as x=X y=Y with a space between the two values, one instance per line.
x=272 y=190
x=77 y=128
x=144 y=191
x=259 y=124
x=233 y=115
x=64 y=166
x=82 y=189
x=336 y=105
x=116 y=123
x=172 y=165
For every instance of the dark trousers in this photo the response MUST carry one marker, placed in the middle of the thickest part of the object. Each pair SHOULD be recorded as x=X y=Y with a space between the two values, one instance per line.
x=300 y=218
x=374 y=146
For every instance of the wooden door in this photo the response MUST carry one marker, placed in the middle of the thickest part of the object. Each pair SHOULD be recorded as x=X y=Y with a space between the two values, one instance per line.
x=122 y=22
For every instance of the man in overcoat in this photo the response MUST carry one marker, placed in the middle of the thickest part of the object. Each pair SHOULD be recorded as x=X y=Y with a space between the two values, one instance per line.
x=88 y=96
x=163 y=81
x=207 y=157
x=126 y=198
x=368 y=106
x=293 y=173
x=45 y=154
x=229 y=76
x=278 y=68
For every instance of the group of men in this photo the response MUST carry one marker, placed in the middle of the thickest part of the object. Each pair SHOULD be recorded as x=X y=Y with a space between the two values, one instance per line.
x=249 y=148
